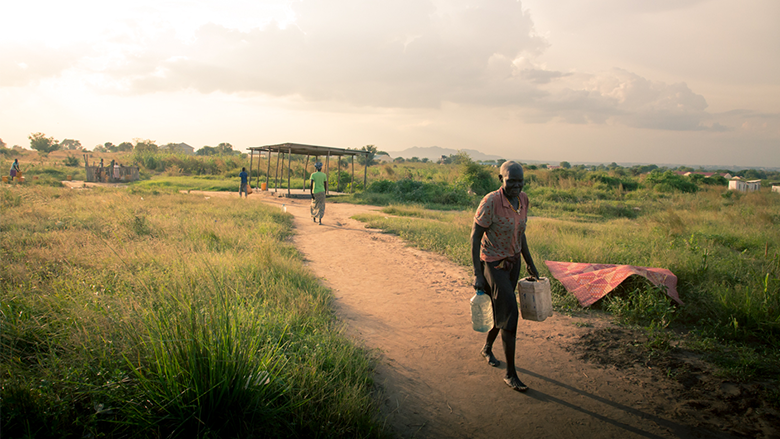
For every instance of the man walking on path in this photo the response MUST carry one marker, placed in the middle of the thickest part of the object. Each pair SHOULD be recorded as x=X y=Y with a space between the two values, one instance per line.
x=319 y=184
x=244 y=182
x=497 y=243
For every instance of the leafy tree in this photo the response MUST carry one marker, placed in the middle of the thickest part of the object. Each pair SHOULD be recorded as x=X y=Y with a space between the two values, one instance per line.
x=206 y=150
x=221 y=149
x=367 y=159
x=43 y=144
x=70 y=144
x=124 y=147
x=565 y=165
x=72 y=161
x=752 y=174
x=669 y=182
x=414 y=159
x=226 y=149
x=398 y=160
x=2 y=144
x=475 y=176
x=500 y=162
x=145 y=145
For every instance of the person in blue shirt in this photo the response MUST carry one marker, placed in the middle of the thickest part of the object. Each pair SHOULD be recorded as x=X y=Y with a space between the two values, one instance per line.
x=244 y=183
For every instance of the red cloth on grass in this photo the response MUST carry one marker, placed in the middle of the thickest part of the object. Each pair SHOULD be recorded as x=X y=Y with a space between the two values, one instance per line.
x=591 y=282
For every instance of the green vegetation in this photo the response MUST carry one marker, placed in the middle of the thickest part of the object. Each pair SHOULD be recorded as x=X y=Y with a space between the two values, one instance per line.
x=43 y=144
x=725 y=251
x=125 y=313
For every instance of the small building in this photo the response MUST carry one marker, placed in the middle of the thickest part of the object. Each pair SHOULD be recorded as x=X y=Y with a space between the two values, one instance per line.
x=776 y=188
x=740 y=185
x=178 y=148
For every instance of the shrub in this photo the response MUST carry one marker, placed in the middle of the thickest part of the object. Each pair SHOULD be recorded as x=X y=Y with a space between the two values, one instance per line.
x=670 y=182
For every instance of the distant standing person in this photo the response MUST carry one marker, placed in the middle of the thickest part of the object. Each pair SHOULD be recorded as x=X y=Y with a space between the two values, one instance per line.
x=15 y=169
x=244 y=182
x=116 y=170
x=319 y=184
x=99 y=175
x=497 y=243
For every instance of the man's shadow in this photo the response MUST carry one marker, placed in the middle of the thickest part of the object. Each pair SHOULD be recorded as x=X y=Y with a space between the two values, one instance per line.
x=678 y=430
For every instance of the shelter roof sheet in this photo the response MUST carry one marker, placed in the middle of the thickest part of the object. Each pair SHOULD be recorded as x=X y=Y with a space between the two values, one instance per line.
x=298 y=148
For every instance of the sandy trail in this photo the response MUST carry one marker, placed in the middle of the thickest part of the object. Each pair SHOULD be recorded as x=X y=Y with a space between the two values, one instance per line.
x=412 y=306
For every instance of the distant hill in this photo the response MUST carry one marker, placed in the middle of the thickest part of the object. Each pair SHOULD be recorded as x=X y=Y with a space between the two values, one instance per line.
x=435 y=152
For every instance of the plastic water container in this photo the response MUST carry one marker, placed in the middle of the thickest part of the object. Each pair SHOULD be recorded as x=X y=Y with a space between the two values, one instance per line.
x=535 y=299
x=481 y=312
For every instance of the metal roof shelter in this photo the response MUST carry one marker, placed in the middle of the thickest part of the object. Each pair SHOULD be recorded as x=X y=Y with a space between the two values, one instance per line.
x=307 y=150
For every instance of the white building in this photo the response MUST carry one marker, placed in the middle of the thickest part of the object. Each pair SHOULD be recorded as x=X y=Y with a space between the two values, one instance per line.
x=776 y=189
x=744 y=186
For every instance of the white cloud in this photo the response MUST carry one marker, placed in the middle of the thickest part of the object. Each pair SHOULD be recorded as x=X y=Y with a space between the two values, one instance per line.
x=383 y=53
x=398 y=54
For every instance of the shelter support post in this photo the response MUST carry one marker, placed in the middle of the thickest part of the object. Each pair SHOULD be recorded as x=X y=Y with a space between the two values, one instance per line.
x=305 y=169
x=289 y=170
x=251 y=158
x=327 y=168
x=352 y=180
x=276 y=175
x=338 y=173
x=268 y=172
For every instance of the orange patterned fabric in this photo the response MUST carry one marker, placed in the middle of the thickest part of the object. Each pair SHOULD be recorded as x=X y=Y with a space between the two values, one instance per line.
x=504 y=225
x=591 y=282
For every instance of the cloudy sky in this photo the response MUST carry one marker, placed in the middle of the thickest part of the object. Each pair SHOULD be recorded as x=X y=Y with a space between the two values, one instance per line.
x=662 y=81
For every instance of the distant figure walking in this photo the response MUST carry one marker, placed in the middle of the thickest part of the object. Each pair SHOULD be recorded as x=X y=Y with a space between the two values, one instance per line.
x=319 y=184
x=244 y=183
x=15 y=169
x=116 y=170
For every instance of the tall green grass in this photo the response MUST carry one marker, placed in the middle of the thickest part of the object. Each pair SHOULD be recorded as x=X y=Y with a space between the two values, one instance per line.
x=723 y=247
x=133 y=314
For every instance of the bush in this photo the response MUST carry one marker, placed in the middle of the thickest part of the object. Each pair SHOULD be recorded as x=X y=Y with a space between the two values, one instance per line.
x=408 y=190
x=670 y=182
x=72 y=161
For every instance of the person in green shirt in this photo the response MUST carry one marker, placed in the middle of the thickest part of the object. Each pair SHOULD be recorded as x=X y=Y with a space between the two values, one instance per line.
x=319 y=184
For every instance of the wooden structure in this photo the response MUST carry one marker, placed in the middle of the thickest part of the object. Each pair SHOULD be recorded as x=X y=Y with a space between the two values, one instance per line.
x=107 y=174
x=308 y=150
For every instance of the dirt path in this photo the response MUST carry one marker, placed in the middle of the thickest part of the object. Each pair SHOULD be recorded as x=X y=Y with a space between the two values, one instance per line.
x=412 y=306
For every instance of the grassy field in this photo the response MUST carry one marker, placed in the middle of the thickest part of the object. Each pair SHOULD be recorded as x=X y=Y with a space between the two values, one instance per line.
x=126 y=313
x=723 y=246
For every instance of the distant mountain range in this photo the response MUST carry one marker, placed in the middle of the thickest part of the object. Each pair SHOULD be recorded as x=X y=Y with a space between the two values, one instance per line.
x=435 y=152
